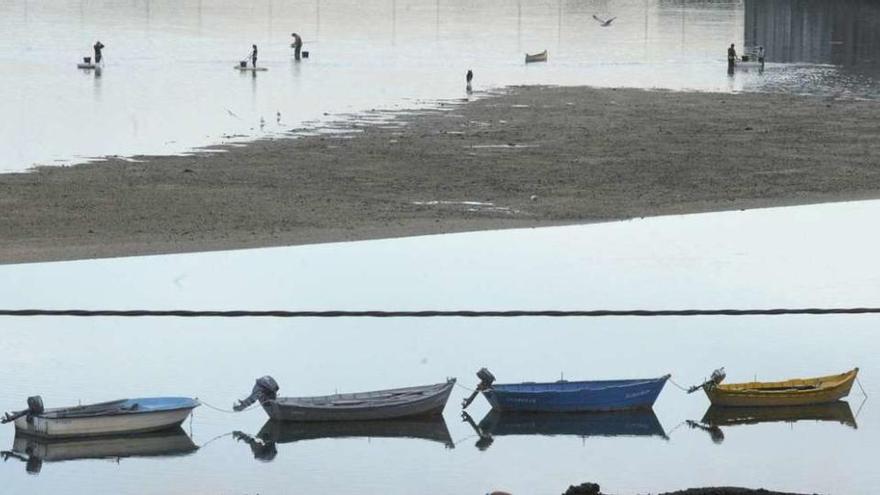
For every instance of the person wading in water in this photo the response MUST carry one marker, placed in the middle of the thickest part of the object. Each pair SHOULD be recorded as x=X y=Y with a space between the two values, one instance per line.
x=731 y=58
x=254 y=56
x=296 y=45
x=98 y=47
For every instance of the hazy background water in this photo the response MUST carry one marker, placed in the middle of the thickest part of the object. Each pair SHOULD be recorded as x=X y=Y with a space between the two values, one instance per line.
x=168 y=84
x=786 y=257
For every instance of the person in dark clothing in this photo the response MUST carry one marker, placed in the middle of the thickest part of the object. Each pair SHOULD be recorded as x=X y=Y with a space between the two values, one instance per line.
x=254 y=56
x=98 y=47
x=469 y=77
x=296 y=45
x=731 y=57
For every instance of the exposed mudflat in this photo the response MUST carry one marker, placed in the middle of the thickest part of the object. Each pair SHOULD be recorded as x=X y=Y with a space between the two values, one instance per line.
x=534 y=156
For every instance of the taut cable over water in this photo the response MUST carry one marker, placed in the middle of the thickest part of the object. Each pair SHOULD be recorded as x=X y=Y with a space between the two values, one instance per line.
x=186 y=313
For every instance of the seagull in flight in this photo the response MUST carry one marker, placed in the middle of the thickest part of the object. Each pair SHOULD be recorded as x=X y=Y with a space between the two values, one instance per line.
x=604 y=22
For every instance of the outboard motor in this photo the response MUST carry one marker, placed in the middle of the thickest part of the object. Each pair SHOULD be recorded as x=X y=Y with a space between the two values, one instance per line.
x=715 y=379
x=35 y=405
x=34 y=465
x=718 y=376
x=35 y=408
x=263 y=450
x=485 y=440
x=265 y=388
x=486 y=380
x=714 y=431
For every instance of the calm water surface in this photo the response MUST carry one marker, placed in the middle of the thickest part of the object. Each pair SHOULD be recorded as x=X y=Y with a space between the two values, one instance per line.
x=795 y=257
x=168 y=84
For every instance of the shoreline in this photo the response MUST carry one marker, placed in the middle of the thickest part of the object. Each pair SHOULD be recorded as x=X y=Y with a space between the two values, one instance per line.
x=532 y=157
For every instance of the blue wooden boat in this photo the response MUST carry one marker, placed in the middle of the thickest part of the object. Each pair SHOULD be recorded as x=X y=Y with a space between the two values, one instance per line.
x=566 y=396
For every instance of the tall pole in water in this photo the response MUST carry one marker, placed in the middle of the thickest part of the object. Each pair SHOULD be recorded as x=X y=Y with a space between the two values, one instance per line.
x=393 y=22
x=559 y=27
x=519 y=25
x=682 y=25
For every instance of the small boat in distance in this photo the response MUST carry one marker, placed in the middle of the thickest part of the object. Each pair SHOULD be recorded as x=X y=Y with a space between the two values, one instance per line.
x=244 y=67
x=566 y=396
x=88 y=64
x=425 y=400
x=538 y=57
x=793 y=392
x=120 y=417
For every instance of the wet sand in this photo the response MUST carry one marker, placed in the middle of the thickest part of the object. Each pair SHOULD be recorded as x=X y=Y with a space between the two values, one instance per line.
x=534 y=156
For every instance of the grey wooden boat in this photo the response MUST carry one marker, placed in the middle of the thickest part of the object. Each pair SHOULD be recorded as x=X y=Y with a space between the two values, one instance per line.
x=425 y=400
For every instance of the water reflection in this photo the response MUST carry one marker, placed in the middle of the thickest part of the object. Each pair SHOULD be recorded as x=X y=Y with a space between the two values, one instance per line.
x=718 y=416
x=34 y=452
x=637 y=423
x=263 y=445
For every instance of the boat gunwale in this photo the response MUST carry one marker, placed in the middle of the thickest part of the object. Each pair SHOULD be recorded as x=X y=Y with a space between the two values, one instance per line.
x=53 y=414
x=566 y=387
x=436 y=389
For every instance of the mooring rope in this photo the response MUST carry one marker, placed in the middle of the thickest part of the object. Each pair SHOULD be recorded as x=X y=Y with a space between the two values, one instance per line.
x=670 y=432
x=218 y=437
x=465 y=388
x=862 y=388
x=434 y=313
x=683 y=389
x=220 y=409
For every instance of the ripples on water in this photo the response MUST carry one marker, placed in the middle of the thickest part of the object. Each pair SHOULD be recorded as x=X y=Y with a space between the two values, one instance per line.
x=168 y=84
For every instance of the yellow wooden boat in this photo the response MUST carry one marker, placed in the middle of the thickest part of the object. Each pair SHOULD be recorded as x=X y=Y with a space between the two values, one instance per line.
x=795 y=392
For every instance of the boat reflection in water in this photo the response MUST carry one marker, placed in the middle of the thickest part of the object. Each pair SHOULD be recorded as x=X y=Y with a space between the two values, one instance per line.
x=36 y=451
x=635 y=423
x=263 y=446
x=718 y=416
